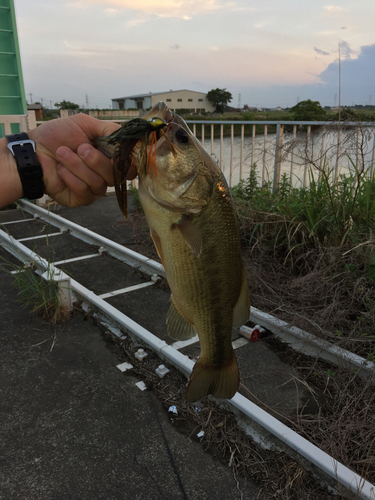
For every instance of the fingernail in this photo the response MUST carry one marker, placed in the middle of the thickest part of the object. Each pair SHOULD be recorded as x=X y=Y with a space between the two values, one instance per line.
x=83 y=150
x=62 y=152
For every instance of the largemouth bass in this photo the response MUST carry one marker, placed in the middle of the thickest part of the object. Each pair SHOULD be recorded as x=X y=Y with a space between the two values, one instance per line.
x=194 y=227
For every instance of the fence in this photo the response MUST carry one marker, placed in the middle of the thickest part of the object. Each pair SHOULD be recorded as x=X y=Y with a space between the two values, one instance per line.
x=12 y=124
x=296 y=150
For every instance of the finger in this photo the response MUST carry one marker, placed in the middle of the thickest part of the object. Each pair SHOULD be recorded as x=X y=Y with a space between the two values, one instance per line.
x=95 y=182
x=97 y=161
x=76 y=190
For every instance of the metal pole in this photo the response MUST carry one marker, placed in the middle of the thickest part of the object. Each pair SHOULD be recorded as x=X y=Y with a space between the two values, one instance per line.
x=307 y=152
x=321 y=164
x=253 y=147
x=242 y=144
x=278 y=148
x=221 y=145
x=231 y=154
x=292 y=155
x=264 y=155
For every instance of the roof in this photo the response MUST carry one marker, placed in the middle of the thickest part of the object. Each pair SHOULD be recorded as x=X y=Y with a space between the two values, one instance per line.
x=149 y=94
x=36 y=105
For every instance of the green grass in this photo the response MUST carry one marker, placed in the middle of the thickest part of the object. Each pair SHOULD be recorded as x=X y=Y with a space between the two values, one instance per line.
x=42 y=295
x=321 y=237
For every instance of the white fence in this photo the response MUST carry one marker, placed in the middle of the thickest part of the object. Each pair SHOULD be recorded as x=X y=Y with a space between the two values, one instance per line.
x=296 y=150
x=25 y=122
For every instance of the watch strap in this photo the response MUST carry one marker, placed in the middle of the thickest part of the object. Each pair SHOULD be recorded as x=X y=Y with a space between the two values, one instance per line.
x=29 y=169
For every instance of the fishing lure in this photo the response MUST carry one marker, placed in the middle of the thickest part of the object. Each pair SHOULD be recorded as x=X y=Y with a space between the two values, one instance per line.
x=126 y=139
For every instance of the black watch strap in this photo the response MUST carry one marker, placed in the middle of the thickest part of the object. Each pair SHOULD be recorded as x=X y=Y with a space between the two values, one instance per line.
x=29 y=169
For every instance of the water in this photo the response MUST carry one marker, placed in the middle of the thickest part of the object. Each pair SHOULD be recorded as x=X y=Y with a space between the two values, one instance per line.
x=298 y=154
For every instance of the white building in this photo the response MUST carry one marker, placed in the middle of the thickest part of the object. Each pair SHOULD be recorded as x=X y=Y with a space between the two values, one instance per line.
x=196 y=102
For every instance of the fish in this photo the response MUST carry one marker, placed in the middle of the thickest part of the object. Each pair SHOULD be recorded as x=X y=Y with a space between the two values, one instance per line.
x=194 y=227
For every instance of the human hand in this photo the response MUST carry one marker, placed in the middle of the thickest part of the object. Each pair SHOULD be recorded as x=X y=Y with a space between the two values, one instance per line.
x=74 y=172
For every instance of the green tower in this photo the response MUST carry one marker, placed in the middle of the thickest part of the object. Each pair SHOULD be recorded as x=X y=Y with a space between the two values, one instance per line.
x=12 y=91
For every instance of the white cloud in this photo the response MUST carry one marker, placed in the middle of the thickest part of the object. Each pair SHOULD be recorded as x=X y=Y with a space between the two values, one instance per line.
x=334 y=10
x=133 y=23
x=161 y=8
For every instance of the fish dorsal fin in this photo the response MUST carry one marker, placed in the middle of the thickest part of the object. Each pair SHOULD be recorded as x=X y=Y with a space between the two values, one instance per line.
x=178 y=327
x=191 y=235
x=241 y=311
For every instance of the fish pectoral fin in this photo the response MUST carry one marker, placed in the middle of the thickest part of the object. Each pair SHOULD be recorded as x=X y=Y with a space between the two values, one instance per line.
x=178 y=327
x=241 y=311
x=157 y=243
x=191 y=235
x=222 y=382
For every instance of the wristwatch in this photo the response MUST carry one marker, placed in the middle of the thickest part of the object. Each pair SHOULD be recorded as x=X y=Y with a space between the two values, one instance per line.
x=29 y=169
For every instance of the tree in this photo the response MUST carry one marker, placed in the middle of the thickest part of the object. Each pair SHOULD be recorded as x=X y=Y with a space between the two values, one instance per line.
x=308 y=111
x=66 y=105
x=220 y=98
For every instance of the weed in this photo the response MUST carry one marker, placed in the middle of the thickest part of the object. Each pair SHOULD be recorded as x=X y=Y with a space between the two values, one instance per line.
x=35 y=291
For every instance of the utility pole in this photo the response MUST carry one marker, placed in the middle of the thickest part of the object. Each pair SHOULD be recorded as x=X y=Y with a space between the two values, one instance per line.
x=31 y=98
x=239 y=102
x=87 y=101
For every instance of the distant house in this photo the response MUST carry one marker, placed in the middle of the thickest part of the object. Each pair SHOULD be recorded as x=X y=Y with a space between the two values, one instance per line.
x=37 y=107
x=195 y=102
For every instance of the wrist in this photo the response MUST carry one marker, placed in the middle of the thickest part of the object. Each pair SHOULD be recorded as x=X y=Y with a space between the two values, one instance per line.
x=11 y=186
x=28 y=167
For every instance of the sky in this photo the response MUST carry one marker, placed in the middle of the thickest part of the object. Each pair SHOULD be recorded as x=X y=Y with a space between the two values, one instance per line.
x=266 y=54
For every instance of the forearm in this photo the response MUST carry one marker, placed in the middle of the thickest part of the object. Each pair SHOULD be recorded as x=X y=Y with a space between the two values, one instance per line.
x=10 y=183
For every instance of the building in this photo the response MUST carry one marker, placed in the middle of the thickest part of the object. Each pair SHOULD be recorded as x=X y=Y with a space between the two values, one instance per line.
x=195 y=102
x=37 y=107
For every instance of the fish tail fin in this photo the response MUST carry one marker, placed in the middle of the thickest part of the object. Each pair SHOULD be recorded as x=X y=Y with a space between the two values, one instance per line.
x=221 y=382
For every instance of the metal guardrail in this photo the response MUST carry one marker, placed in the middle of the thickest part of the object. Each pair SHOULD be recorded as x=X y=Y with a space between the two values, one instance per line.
x=290 y=148
x=302 y=133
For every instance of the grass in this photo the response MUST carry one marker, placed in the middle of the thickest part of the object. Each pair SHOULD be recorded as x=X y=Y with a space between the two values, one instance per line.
x=317 y=244
x=34 y=291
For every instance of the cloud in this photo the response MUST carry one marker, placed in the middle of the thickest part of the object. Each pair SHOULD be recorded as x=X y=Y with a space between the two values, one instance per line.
x=333 y=10
x=357 y=75
x=133 y=23
x=321 y=52
x=345 y=49
x=176 y=46
x=160 y=8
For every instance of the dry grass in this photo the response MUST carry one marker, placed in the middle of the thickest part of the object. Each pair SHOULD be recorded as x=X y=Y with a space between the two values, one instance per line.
x=317 y=292
x=278 y=475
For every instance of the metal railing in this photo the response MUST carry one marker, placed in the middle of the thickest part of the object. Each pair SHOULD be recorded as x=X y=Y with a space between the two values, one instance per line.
x=294 y=150
x=288 y=147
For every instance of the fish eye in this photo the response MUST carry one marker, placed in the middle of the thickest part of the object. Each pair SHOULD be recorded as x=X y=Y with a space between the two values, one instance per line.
x=182 y=136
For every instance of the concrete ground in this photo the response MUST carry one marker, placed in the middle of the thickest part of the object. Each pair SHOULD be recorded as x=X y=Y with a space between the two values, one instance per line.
x=73 y=426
